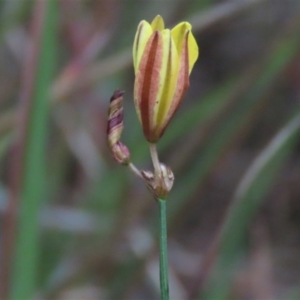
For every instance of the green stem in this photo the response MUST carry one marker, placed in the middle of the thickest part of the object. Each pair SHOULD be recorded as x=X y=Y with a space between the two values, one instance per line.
x=163 y=250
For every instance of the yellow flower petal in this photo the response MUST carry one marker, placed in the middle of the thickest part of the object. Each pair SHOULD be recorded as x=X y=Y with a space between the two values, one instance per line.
x=169 y=79
x=158 y=23
x=193 y=51
x=142 y=36
x=179 y=33
x=180 y=86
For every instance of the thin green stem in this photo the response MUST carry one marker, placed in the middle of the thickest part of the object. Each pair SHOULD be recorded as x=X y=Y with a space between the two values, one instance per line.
x=163 y=250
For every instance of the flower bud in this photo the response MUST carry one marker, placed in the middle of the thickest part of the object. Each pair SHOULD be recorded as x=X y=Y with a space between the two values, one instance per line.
x=115 y=127
x=163 y=60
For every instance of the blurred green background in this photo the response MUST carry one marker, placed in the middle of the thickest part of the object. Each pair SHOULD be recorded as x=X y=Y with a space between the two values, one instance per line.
x=76 y=225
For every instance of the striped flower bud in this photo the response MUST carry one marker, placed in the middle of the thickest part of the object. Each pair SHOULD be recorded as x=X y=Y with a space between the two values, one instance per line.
x=161 y=183
x=115 y=127
x=163 y=60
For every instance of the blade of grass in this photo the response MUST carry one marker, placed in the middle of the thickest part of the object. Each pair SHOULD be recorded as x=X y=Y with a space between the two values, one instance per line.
x=32 y=152
x=10 y=215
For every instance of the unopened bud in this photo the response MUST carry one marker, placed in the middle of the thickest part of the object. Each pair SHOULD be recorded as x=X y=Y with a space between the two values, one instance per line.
x=161 y=183
x=115 y=127
x=115 y=118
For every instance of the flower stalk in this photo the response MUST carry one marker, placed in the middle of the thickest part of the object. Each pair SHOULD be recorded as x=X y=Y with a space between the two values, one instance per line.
x=163 y=250
x=154 y=157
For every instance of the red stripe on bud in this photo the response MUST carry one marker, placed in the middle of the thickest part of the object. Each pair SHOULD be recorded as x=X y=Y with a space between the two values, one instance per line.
x=145 y=105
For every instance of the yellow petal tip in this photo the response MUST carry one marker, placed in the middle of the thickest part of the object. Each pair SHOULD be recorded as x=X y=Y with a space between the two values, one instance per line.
x=158 y=23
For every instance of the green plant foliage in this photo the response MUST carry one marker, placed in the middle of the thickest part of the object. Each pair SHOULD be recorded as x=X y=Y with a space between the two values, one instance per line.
x=33 y=192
